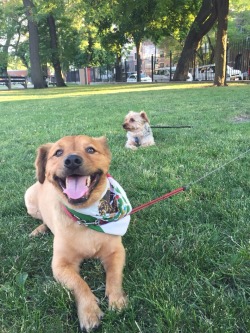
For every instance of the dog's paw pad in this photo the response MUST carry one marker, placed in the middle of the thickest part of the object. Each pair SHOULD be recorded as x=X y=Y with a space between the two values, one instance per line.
x=118 y=302
x=90 y=318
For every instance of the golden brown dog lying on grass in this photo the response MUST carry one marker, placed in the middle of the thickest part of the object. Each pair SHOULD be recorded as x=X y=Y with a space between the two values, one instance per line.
x=87 y=211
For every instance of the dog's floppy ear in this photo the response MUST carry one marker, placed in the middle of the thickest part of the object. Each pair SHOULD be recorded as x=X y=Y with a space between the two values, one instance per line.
x=41 y=160
x=144 y=116
x=104 y=142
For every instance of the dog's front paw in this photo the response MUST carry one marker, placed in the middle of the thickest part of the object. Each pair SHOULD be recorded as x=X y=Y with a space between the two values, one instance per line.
x=89 y=316
x=131 y=146
x=40 y=230
x=118 y=301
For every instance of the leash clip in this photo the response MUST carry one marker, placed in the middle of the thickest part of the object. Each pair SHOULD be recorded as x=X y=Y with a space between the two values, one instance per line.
x=85 y=223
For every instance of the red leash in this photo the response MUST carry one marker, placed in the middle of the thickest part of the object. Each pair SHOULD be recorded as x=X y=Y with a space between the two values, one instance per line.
x=181 y=189
x=152 y=202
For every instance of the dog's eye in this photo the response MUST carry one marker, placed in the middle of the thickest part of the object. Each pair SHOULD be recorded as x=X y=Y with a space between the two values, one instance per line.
x=90 y=150
x=58 y=153
x=132 y=120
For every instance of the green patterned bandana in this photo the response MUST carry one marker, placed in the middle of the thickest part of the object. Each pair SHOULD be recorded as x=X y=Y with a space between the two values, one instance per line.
x=109 y=215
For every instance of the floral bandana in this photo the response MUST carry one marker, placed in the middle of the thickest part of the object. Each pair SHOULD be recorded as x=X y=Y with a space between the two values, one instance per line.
x=109 y=215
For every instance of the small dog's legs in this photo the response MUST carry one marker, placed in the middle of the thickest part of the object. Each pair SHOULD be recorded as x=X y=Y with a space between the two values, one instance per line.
x=113 y=264
x=131 y=145
x=66 y=272
x=147 y=144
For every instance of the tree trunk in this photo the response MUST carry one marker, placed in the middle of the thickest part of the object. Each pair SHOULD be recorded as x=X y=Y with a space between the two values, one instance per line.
x=35 y=64
x=203 y=22
x=89 y=50
x=5 y=55
x=118 y=68
x=221 y=43
x=212 y=51
x=54 y=52
x=138 y=60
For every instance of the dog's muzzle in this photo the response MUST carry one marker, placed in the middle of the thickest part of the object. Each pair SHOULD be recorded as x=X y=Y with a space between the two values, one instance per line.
x=75 y=183
x=125 y=126
x=73 y=161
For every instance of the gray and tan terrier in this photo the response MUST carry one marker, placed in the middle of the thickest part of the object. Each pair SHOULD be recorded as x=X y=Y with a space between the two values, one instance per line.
x=138 y=130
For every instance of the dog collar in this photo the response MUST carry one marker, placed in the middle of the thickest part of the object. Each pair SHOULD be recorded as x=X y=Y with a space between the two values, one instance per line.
x=109 y=215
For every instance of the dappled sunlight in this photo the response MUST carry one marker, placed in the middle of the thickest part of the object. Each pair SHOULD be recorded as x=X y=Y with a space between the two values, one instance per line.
x=74 y=91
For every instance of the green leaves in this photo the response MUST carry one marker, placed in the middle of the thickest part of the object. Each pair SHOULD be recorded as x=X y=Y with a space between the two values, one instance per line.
x=21 y=279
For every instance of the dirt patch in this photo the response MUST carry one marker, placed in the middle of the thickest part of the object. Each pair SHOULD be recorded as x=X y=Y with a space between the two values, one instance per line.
x=242 y=118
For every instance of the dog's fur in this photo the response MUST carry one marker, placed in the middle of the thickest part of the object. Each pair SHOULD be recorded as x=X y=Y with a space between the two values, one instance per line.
x=138 y=130
x=74 y=242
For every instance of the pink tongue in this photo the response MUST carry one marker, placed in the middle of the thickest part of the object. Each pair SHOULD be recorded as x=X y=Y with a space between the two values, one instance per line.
x=76 y=187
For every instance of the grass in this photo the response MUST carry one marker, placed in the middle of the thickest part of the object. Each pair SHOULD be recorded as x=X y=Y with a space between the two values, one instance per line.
x=188 y=258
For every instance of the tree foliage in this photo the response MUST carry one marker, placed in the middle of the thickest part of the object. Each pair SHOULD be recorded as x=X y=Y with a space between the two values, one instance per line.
x=134 y=20
x=11 y=30
x=201 y=25
x=239 y=20
x=152 y=19
x=216 y=11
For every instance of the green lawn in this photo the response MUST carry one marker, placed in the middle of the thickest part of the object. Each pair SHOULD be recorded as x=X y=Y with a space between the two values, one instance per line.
x=188 y=258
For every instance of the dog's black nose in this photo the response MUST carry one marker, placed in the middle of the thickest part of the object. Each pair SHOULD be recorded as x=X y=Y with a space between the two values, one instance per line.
x=73 y=161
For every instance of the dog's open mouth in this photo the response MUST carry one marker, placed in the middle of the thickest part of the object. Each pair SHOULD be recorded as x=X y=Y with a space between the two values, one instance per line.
x=78 y=188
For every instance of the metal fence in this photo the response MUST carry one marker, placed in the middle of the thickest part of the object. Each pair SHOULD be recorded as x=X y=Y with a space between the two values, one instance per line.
x=238 y=57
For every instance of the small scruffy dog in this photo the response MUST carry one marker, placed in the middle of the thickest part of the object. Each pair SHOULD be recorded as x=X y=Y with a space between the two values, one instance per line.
x=138 y=130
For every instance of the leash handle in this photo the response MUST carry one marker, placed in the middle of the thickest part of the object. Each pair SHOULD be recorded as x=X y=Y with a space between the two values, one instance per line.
x=152 y=202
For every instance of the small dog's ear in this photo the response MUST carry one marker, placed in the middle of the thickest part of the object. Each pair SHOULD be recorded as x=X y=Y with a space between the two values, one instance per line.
x=41 y=161
x=144 y=116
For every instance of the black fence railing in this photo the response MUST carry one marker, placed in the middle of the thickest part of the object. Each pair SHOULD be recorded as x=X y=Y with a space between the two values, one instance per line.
x=238 y=58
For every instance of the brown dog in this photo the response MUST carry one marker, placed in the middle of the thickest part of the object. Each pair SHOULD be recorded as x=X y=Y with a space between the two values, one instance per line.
x=73 y=186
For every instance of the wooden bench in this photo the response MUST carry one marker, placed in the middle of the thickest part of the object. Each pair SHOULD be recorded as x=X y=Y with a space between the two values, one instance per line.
x=8 y=80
